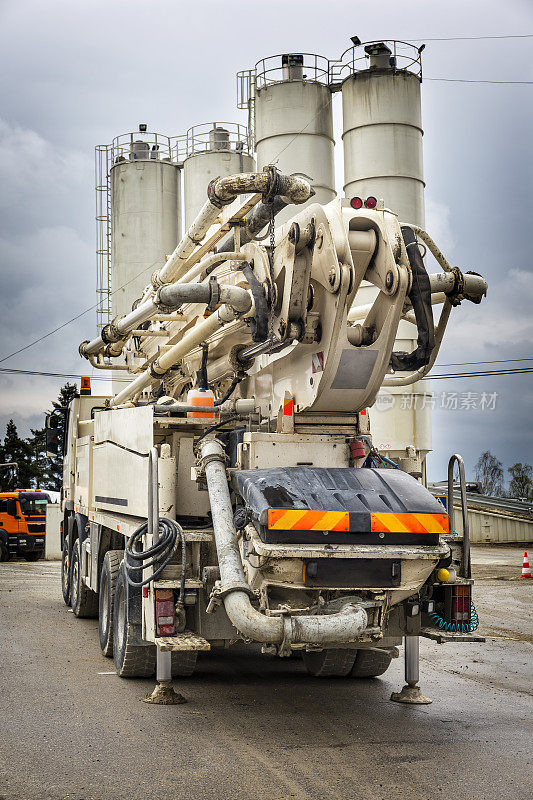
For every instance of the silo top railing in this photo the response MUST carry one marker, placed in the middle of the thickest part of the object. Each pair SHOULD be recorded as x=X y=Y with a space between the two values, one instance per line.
x=218 y=137
x=312 y=68
x=404 y=57
x=141 y=146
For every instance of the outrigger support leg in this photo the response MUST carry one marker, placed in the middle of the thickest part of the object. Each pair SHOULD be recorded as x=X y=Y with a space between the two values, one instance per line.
x=164 y=693
x=411 y=694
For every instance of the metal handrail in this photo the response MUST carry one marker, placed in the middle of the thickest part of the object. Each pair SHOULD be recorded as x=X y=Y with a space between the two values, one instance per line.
x=270 y=70
x=457 y=459
x=203 y=138
x=140 y=146
x=405 y=57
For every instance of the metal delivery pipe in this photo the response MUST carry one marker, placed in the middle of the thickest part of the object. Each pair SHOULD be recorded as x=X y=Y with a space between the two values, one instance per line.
x=238 y=298
x=345 y=626
x=199 y=333
x=173 y=295
x=223 y=191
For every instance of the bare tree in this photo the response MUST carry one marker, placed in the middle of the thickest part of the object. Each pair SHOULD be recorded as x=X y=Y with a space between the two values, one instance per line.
x=489 y=473
x=521 y=485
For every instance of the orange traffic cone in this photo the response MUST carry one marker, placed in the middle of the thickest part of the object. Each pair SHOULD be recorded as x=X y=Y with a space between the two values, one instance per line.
x=526 y=569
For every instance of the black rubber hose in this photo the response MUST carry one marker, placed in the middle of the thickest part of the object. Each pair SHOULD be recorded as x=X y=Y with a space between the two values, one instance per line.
x=216 y=427
x=229 y=391
x=202 y=372
x=258 y=323
x=159 y=554
x=420 y=297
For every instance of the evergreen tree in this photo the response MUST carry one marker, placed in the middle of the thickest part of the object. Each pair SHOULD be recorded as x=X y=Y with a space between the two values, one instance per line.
x=55 y=464
x=47 y=472
x=16 y=449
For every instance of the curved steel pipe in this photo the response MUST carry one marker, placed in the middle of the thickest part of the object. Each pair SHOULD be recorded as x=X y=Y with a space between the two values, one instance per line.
x=345 y=626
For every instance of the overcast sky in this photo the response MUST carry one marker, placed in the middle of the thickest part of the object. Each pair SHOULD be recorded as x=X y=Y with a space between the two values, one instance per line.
x=75 y=73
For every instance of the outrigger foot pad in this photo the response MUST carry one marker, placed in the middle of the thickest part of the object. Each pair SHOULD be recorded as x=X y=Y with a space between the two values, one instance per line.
x=410 y=695
x=164 y=694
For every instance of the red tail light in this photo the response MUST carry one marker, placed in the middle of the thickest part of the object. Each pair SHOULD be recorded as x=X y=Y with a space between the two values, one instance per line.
x=164 y=612
x=461 y=604
x=371 y=202
x=356 y=202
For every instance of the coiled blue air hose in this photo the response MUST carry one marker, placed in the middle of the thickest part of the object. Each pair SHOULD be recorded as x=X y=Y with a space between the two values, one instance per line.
x=457 y=627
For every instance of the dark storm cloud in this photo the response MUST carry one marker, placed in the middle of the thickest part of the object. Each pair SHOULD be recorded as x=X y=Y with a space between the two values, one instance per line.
x=76 y=74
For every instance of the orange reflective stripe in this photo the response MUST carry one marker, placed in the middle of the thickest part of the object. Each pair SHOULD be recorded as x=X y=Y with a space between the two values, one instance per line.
x=403 y=522
x=288 y=406
x=305 y=520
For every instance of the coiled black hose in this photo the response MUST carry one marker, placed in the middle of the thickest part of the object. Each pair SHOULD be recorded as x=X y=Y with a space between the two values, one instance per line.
x=160 y=553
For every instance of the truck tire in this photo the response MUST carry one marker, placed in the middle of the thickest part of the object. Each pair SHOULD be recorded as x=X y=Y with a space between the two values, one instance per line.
x=184 y=663
x=35 y=556
x=329 y=663
x=106 y=598
x=65 y=573
x=131 y=660
x=371 y=663
x=4 y=550
x=83 y=601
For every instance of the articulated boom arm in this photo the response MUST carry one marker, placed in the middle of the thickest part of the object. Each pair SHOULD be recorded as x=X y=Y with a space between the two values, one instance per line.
x=287 y=321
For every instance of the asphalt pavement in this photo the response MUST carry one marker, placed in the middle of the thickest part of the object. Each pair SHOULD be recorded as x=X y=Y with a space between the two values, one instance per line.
x=257 y=727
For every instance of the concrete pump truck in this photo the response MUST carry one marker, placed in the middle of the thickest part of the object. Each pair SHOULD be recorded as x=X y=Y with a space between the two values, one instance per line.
x=237 y=484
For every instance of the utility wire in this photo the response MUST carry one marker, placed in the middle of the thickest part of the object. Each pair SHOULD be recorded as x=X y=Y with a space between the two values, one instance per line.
x=430 y=376
x=8 y=371
x=482 y=374
x=81 y=314
x=467 y=80
x=472 y=38
x=475 y=363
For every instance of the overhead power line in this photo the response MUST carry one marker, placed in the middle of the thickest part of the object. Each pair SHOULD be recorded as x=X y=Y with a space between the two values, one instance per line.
x=81 y=314
x=431 y=376
x=468 y=80
x=482 y=374
x=475 y=363
x=10 y=371
x=474 y=38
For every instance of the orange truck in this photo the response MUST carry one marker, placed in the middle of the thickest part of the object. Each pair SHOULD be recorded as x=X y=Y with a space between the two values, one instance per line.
x=22 y=523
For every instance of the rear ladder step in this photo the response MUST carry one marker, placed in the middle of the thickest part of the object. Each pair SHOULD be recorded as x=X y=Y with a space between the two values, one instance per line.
x=186 y=640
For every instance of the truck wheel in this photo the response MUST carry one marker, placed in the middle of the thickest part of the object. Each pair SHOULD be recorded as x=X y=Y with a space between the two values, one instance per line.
x=83 y=601
x=32 y=556
x=4 y=551
x=371 y=663
x=106 y=598
x=329 y=663
x=184 y=663
x=131 y=660
x=65 y=573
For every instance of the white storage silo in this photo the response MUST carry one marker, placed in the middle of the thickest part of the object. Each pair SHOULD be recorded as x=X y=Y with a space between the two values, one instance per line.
x=294 y=121
x=145 y=224
x=213 y=150
x=382 y=141
x=382 y=131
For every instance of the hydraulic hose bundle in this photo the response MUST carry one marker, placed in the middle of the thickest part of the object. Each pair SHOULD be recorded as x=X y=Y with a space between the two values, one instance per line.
x=159 y=555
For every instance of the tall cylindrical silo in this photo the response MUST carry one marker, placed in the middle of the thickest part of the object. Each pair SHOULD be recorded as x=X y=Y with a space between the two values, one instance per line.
x=382 y=141
x=382 y=131
x=213 y=150
x=144 y=213
x=294 y=121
